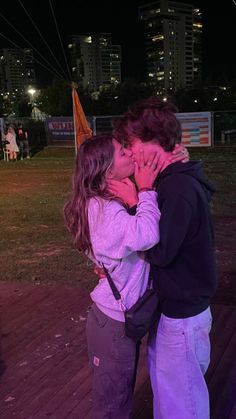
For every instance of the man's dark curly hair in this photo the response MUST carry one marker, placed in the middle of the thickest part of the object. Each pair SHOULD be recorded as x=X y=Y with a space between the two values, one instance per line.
x=150 y=120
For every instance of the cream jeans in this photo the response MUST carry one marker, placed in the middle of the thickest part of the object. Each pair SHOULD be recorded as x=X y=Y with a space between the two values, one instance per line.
x=178 y=357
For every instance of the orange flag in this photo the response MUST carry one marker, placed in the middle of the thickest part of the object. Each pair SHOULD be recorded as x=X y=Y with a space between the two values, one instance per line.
x=81 y=127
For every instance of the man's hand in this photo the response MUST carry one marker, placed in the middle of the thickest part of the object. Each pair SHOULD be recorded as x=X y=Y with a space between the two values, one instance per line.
x=180 y=153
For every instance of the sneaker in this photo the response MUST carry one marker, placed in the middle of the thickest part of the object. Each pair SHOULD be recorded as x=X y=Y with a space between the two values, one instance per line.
x=28 y=157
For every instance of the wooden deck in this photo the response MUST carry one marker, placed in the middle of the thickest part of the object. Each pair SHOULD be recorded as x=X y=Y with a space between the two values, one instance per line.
x=47 y=373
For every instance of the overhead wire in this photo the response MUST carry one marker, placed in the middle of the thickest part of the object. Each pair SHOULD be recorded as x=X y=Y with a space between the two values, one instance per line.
x=35 y=49
x=58 y=32
x=42 y=37
x=35 y=59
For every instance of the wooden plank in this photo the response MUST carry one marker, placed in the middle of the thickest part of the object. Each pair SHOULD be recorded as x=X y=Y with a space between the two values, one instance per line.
x=17 y=327
x=63 y=338
x=39 y=318
x=79 y=399
x=48 y=373
x=38 y=346
x=50 y=388
x=222 y=394
x=32 y=302
x=142 y=405
x=233 y=412
x=224 y=405
x=219 y=340
x=53 y=374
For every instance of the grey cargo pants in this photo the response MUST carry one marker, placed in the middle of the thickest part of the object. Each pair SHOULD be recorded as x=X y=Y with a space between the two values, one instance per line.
x=113 y=358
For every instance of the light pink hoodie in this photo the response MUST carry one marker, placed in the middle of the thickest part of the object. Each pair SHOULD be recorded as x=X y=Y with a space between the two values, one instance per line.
x=119 y=241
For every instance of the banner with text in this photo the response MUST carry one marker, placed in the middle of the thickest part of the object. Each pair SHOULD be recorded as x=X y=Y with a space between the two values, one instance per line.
x=60 y=129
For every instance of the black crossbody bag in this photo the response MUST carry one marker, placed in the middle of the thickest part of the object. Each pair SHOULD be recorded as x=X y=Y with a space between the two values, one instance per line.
x=142 y=315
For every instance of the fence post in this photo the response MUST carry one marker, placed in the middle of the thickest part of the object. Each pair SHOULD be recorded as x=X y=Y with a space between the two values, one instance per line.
x=94 y=126
x=222 y=137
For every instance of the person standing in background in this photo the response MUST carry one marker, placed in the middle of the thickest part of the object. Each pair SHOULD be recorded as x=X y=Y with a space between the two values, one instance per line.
x=22 y=139
x=11 y=145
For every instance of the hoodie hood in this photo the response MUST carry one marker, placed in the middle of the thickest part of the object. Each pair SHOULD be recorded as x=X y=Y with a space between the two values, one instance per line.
x=192 y=168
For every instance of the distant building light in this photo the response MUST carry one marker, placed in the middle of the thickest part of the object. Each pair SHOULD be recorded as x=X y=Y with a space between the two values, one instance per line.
x=157 y=38
x=215 y=99
x=150 y=74
x=195 y=101
x=70 y=46
x=88 y=39
x=164 y=99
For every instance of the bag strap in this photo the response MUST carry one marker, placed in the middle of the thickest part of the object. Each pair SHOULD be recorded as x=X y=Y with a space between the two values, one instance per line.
x=112 y=285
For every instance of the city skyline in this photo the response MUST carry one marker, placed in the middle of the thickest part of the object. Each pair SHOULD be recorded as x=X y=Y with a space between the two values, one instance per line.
x=121 y=20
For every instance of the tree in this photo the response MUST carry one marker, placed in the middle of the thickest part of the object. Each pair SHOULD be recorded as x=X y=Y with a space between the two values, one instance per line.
x=114 y=100
x=55 y=100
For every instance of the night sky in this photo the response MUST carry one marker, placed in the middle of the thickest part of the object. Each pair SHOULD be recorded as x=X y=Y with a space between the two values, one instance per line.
x=121 y=19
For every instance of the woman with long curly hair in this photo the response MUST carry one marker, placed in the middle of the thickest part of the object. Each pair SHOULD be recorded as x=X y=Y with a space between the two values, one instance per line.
x=104 y=230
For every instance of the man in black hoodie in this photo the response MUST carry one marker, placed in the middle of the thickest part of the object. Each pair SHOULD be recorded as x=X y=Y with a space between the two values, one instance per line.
x=182 y=264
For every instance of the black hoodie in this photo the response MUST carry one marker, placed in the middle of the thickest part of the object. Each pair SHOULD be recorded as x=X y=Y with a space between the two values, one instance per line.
x=183 y=263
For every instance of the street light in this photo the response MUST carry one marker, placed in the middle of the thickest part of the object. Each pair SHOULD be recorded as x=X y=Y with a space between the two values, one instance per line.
x=32 y=92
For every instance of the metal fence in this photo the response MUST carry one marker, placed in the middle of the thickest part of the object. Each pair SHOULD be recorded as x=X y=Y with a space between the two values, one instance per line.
x=196 y=127
x=102 y=123
x=223 y=127
x=224 y=123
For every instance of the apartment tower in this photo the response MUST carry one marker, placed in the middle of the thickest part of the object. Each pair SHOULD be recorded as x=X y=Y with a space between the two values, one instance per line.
x=96 y=63
x=172 y=43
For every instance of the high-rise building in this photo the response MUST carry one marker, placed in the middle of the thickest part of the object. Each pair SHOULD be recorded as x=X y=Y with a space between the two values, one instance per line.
x=95 y=61
x=197 y=45
x=173 y=44
x=17 y=71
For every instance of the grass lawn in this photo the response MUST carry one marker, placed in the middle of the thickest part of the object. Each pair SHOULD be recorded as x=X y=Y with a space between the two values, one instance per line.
x=35 y=245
